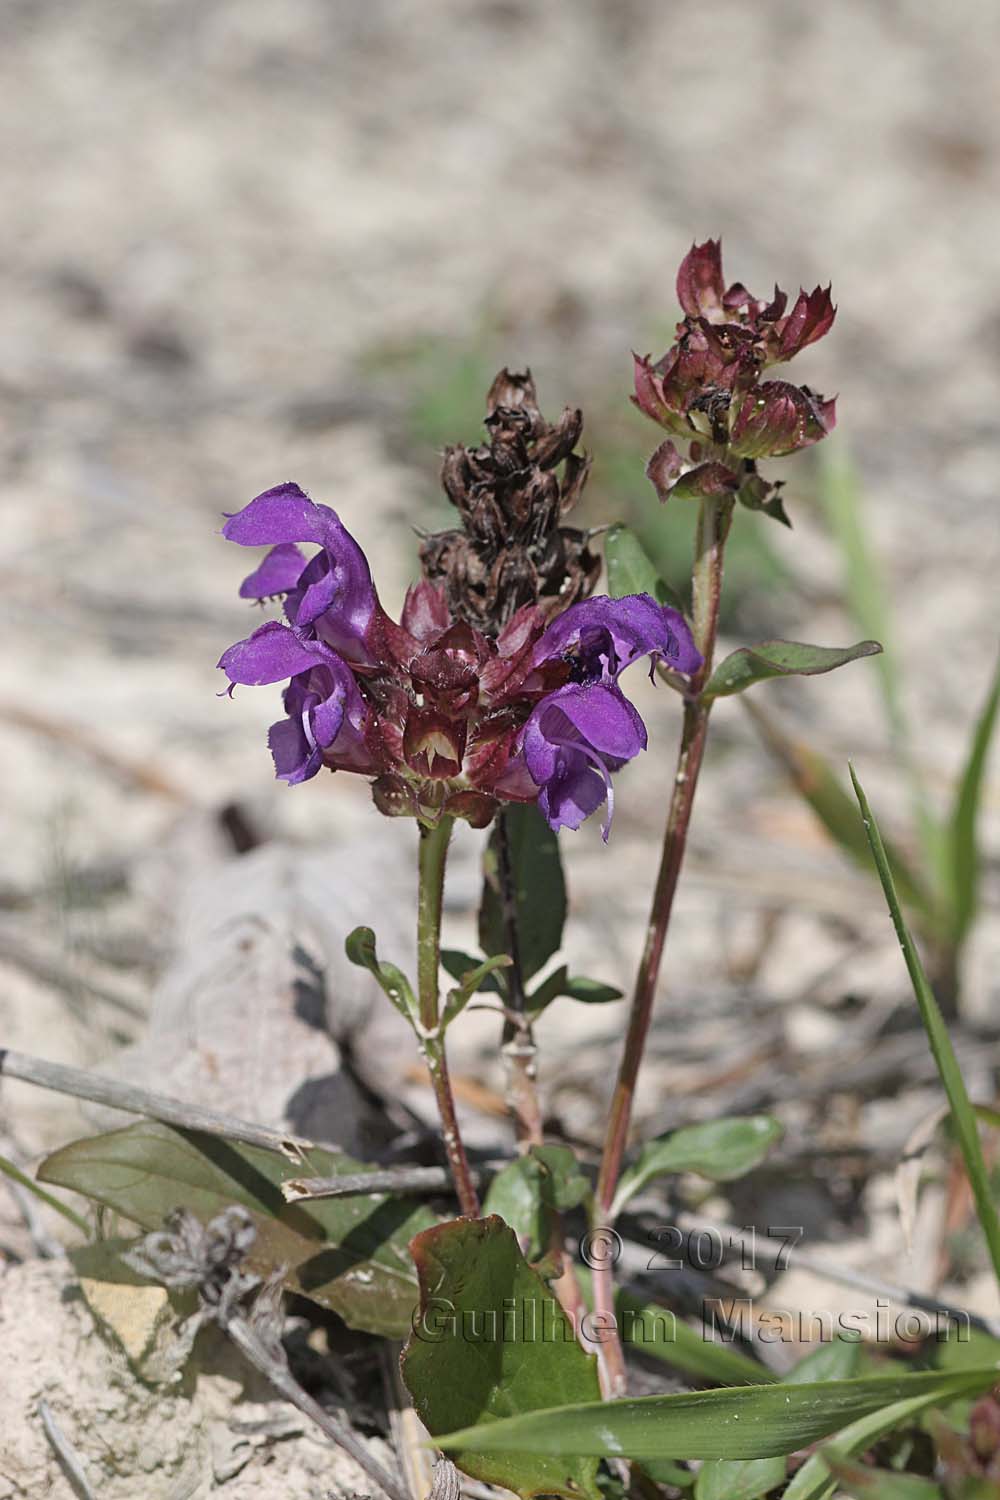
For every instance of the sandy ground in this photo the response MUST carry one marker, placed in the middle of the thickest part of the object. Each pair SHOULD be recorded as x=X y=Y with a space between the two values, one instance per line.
x=217 y=220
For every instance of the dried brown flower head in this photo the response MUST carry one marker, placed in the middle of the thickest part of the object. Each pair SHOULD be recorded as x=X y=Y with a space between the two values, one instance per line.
x=511 y=548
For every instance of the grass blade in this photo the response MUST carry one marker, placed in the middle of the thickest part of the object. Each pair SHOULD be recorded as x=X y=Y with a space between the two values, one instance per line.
x=962 y=1113
x=864 y=583
x=962 y=846
x=30 y=1185
x=814 y=1481
x=751 y=1421
x=816 y=782
x=867 y=595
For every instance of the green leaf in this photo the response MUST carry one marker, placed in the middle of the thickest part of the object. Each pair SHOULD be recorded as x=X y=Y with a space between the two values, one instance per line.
x=814 y=1480
x=963 y=849
x=753 y=1421
x=881 y=1484
x=550 y=989
x=491 y=1342
x=540 y=891
x=459 y=964
x=348 y=1254
x=962 y=1348
x=587 y=991
x=590 y=991
x=515 y=1194
x=564 y=1184
x=720 y=1150
x=527 y=1192
x=360 y=948
x=630 y=570
x=963 y=1116
x=766 y=659
x=664 y=1471
x=738 y=1479
x=837 y=1360
x=818 y=785
x=471 y=981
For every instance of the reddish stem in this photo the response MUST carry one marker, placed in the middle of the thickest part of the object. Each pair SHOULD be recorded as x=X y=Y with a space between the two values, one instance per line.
x=713 y=526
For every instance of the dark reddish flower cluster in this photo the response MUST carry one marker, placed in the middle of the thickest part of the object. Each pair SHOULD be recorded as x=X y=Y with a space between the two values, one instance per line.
x=512 y=548
x=444 y=717
x=708 y=387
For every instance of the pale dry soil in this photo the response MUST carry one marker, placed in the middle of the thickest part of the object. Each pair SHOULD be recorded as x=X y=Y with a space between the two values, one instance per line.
x=219 y=223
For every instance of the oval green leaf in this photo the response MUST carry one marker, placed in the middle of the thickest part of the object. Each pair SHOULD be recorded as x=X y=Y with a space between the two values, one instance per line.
x=489 y=1342
x=766 y=659
x=631 y=570
x=359 y=946
x=720 y=1150
x=348 y=1254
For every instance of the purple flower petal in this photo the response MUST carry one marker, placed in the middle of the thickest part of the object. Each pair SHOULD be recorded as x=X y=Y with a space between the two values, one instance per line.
x=316 y=592
x=603 y=636
x=277 y=574
x=572 y=742
x=325 y=713
x=340 y=589
x=271 y=654
x=295 y=759
x=283 y=514
x=569 y=802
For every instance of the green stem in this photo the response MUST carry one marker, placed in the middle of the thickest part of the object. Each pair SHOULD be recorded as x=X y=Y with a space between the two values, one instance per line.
x=714 y=519
x=517 y=1043
x=433 y=855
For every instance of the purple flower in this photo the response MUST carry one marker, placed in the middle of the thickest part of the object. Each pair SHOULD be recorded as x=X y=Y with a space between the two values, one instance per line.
x=573 y=741
x=600 y=637
x=324 y=706
x=447 y=719
x=579 y=734
x=325 y=713
x=332 y=594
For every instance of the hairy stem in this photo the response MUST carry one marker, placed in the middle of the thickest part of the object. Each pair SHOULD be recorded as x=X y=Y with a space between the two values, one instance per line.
x=517 y=1044
x=433 y=854
x=713 y=525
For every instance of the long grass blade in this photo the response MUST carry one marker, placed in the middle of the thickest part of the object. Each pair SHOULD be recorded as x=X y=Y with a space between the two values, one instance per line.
x=818 y=785
x=30 y=1185
x=750 y=1421
x=962 y=1113
x=814 y=1480
x=867 y=596
x=962 y=844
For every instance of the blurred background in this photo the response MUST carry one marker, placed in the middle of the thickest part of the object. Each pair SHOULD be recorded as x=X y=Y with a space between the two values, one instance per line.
x=246 y=242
